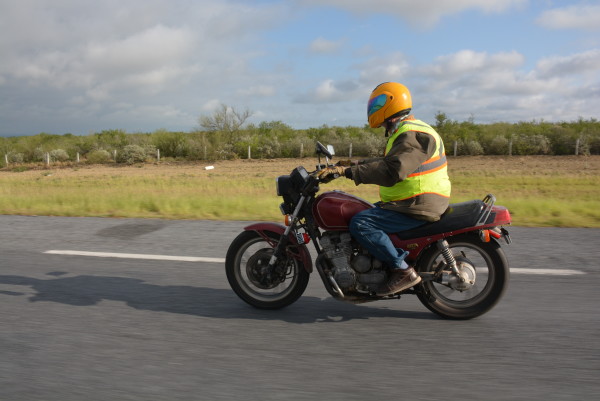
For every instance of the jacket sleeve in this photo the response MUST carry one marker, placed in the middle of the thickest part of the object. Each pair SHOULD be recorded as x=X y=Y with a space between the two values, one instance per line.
x=408 y=152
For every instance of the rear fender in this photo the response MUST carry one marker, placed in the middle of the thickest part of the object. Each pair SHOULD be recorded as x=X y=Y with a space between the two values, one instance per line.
x=301 y=251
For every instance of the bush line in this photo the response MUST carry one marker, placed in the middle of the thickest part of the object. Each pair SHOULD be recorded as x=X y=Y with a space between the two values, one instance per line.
x=277 y=140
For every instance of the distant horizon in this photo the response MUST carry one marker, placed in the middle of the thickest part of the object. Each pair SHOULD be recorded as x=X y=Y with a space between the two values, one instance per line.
x=245 y=127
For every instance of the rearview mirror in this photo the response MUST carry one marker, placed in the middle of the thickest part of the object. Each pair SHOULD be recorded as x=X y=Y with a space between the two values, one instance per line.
x=328 y=151
x=322 y=150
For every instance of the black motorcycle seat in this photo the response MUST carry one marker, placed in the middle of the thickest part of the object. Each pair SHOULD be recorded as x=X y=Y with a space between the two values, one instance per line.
x=457 y=216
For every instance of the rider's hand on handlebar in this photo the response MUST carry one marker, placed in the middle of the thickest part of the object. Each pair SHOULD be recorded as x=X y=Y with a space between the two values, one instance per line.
x=345 y=163
x=331 y=172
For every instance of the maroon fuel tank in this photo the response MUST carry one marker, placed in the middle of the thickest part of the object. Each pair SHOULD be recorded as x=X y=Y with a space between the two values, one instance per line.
x=333 y=210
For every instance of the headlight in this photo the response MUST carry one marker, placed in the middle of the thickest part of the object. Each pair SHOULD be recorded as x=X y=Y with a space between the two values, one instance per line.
x=283 y=185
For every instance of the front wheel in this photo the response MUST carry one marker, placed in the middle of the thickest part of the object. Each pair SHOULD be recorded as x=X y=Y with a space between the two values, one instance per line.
x=249 y=275
x=484 y=278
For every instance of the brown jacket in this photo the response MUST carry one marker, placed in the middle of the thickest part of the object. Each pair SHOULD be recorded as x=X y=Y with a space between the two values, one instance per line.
x=408 y=152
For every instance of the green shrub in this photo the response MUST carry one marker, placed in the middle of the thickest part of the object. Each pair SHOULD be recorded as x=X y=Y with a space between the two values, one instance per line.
x=226 y=152
x=98 y=157
x=465 y=147
x=132 y=154
x=498 y=146
x=473 y=148
x=59 y=155
x=367 y=146
x=14 y=157
x=531 y=145
x=38 y=154
x=114 y=138
x=171 y=144
x=276 y=139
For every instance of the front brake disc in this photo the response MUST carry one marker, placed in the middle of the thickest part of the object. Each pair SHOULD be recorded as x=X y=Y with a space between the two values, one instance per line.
x=258 y=272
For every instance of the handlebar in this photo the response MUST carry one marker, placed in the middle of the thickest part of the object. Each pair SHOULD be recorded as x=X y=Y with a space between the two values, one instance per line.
x=324 y=180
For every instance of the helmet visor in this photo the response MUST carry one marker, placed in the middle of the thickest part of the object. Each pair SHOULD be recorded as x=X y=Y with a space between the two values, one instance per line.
x=376 y=103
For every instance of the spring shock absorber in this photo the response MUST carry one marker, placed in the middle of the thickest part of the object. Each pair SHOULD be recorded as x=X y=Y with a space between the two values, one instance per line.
x=448 y=256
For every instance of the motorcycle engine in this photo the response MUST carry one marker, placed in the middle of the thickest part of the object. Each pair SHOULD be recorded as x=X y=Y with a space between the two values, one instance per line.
x=351 y=270
x=338 y=249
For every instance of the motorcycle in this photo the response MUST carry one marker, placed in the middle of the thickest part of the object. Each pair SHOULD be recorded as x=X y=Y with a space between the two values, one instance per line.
x=464 y=271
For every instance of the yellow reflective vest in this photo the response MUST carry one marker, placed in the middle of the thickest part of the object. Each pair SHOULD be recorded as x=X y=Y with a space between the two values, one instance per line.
x=430 y=178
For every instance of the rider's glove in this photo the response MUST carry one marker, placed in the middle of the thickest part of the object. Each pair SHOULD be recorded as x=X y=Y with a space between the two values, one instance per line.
x=331 y=172
x=345 y=163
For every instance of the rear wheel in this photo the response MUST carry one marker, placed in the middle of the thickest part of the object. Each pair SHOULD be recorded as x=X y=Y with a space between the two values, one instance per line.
x=248 y=273
x=484 y=276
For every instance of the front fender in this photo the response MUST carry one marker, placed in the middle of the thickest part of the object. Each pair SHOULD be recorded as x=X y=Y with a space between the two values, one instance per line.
x=303 y=254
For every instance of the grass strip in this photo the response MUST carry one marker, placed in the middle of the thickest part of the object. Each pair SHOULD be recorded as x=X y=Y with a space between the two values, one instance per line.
x=536 y=194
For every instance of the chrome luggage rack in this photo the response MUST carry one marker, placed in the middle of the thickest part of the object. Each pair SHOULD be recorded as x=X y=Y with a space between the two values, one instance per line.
x=486 y=210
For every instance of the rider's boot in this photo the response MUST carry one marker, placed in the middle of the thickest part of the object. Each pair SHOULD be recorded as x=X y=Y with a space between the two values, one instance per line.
x=400 y=279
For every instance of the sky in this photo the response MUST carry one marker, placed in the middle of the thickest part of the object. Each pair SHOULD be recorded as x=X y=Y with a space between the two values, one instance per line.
x=79 y=66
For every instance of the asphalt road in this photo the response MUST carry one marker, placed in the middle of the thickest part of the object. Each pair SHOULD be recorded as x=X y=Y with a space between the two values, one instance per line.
x=91 y=328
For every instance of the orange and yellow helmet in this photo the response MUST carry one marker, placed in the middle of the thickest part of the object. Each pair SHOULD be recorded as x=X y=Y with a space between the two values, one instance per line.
x=388 y=100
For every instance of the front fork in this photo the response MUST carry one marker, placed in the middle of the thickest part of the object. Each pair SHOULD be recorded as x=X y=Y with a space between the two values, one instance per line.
x=280 y=248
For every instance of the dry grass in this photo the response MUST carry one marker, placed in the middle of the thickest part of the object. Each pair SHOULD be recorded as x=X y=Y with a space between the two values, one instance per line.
x=539 y=190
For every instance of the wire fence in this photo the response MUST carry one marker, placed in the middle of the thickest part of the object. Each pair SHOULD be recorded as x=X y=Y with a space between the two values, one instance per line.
x=134 y=154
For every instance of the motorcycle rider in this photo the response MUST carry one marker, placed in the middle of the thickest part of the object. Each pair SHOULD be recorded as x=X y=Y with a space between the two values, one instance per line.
x=412 y=177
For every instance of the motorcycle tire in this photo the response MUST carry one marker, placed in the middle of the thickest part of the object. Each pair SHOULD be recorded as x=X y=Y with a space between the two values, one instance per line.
x=484 y=260
x=245 y=263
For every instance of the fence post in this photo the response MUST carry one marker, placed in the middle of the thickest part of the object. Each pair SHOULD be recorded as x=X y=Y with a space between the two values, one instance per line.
x=77 y=157
x=577 y=147
x=301 y=149
x=350 y=151
x=510 y=147
x=249 y=153
x=157 y=155
x=6 y=159
x=47 y=159
x=455 y=148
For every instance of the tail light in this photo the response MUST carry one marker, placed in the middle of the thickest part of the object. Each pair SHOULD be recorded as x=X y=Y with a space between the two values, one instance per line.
x=486 y=235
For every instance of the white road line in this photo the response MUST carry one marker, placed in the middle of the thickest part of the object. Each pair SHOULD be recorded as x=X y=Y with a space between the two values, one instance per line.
x=552 y=272
x=549 y=272
x=137 y=256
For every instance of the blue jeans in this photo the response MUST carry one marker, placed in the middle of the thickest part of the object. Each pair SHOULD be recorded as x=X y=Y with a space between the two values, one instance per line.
x=371 y=228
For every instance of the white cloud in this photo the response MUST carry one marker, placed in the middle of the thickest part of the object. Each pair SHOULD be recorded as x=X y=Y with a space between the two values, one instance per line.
x=468 y=61
x=418 y=13
x=211 y=105
x=258 y=90
x=324 y=46
x=576 y=64
x=489 y=86
x=586 y=17
x=76 y=65
x=325 y=92
x=494 y=88
x=88 y=56
x=388 y=67
x=330 y=91
x=155 y=46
